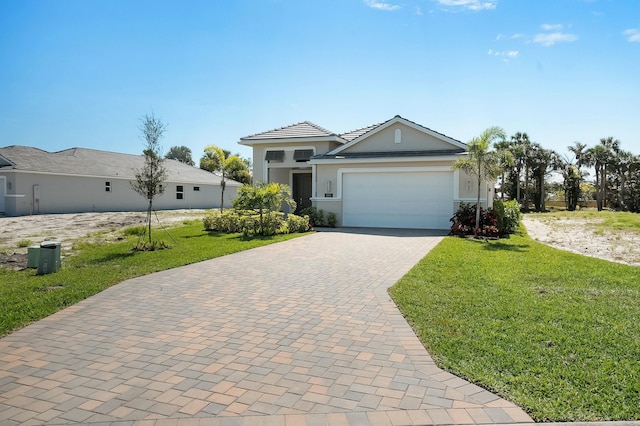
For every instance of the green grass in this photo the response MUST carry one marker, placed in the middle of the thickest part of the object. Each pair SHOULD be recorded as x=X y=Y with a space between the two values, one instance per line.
x=554 y=332
x=25 y=243
x=26 y=297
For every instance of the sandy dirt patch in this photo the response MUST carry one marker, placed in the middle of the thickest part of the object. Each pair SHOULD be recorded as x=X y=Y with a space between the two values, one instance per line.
x=583 y=237
x=69 y=228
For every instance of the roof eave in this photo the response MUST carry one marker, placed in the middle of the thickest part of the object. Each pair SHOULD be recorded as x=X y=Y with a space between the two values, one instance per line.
x=309 y=139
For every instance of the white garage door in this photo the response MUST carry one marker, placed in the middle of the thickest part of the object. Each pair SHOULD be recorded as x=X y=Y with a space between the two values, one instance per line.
x=420 y=200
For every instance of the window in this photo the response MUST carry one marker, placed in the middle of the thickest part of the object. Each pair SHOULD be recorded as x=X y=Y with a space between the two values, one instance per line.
x=196 y=188
x=398 y=136
x=302 y=154
x=107 y=186
x=179 y=192
x=275 y=156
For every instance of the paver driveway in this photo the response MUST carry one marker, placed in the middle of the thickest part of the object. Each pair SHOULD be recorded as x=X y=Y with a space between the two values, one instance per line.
x=300 y=332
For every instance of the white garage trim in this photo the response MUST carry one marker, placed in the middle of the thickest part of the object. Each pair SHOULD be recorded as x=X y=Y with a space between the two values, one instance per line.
x=342 y=171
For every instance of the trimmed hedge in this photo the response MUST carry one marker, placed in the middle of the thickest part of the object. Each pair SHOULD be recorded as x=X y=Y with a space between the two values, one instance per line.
x=248 y=222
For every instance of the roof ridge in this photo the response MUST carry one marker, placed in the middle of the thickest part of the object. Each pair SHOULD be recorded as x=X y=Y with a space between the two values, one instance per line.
x=362 y=128
x=312 y=124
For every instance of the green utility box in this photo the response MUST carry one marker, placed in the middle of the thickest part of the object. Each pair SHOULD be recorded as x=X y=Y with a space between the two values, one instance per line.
x=49 y=257
x=33 y=256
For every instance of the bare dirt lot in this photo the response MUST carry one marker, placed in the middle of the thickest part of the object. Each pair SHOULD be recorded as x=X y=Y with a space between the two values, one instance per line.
x=582 y=236
x=17 y=233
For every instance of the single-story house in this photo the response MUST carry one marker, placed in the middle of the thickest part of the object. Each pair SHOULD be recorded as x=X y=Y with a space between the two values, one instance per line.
x=395 y=174
x=33 y=181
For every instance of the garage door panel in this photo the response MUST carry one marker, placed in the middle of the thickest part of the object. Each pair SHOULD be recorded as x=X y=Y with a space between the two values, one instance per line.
x=398 y=199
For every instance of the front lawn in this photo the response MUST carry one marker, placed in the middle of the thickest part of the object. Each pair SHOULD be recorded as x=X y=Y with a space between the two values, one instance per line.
x=555 y=332
x=26 y=297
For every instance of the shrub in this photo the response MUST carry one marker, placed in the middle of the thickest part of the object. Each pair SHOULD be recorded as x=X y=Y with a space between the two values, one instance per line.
x=464 y=222
x=297 y=223
x=509 y=216
x=250 y=222
x=316 y=217
x=332 y=220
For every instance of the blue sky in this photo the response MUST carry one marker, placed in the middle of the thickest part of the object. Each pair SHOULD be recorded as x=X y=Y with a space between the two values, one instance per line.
x=82 y=73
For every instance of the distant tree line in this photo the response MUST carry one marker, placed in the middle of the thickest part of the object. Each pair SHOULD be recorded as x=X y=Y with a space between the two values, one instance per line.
x=527 y=168
x=216 y=160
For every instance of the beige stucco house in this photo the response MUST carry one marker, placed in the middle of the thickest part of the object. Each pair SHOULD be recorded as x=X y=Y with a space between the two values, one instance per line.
x=33 y=181
x=395 y=174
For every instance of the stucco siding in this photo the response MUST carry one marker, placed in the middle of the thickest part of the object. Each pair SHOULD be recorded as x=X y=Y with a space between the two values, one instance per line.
x=33 y=193
x=409 y=140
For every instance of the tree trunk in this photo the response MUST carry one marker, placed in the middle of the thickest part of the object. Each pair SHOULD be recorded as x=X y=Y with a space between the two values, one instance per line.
x=598 y=190
x=149 y=221
x=526 y=189
x=223 y=184
x=478 y=206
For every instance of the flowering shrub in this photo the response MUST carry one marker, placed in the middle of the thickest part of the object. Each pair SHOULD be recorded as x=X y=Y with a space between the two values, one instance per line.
x=464 y=222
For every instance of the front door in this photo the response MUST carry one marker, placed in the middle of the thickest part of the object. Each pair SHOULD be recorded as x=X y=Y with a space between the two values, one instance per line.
x=301 y=191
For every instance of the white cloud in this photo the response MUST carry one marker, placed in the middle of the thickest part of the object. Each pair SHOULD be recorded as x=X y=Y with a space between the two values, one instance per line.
x=633 y=35
x=516 y=36
x=549 y=39
x=419 y=11
x=381 y=5
x=551 y=27
x=506 y=54
x=470 y=4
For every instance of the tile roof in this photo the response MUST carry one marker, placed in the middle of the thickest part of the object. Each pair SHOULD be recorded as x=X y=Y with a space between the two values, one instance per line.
x=90 y=162
x=305 y=129
x=349 y=136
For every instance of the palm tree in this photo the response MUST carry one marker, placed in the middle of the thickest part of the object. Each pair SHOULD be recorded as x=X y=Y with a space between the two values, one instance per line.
x=612 y=146
x=578 y=151
x=521 y=149
x=507 y=161
x=218 y=160
x=598 y=157
x=542 y=162
x=481 y=162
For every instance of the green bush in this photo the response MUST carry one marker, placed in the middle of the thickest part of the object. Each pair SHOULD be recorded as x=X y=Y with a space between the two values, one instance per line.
x=332 y=219
x=509 y=215
x=297 y=223
x=316 y=217
x=249 y=222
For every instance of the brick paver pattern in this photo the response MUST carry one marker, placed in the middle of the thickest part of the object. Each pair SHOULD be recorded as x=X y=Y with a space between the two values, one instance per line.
x=296 y=333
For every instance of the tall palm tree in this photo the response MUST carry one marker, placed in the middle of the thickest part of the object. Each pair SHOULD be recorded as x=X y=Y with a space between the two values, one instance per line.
x=507 y=161
x=612 y=146
x=598 y=157
x=521 y=149
x=481 y=162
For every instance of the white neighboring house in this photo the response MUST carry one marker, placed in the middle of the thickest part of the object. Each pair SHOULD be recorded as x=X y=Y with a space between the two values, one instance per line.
x=33 y=181
x=395 y=174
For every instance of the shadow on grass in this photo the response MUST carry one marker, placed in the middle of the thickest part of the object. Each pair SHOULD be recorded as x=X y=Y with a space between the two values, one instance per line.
x=116 y=256
x=500 y=246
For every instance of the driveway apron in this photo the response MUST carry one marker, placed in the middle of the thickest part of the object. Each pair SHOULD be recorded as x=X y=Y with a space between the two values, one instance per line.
x=300 y=332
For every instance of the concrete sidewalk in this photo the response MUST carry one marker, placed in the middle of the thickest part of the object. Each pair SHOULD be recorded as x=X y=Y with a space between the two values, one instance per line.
x=296 y=333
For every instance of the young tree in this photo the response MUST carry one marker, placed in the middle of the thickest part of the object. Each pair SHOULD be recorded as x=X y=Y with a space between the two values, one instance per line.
x=150 y=178
x=218 y=160
x=481 y=162
x=180 y=153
